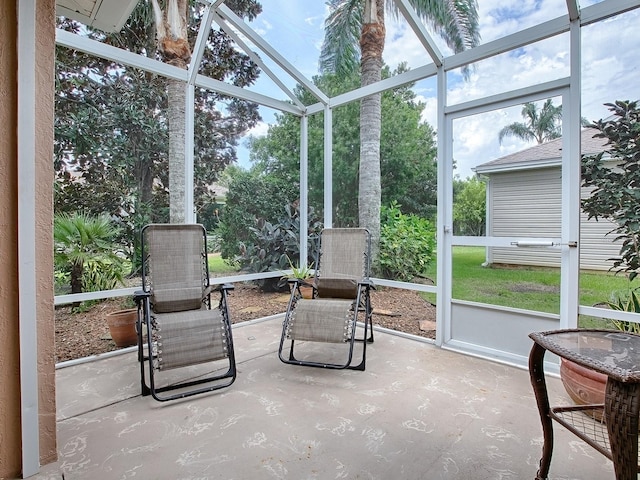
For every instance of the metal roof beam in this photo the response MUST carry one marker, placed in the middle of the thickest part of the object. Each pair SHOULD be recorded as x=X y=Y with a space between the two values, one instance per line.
x=574 y=9
x=606 y=9
x=124 y=57
x=404 y=78
x=257 y=40
x=201 y=42
x=419 y=29
x=256 y=58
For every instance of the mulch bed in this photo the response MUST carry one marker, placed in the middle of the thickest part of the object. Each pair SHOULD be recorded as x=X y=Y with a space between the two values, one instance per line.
x=85 y=333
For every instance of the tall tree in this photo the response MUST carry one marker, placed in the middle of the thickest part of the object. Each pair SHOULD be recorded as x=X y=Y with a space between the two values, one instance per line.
x=111 y=129
x=539 y=125
x=173 y=44
x=407 y=156
x=469 y=208
x=355 y=34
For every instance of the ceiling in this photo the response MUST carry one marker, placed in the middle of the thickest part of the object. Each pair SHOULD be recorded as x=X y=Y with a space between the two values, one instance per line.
x=106 y=15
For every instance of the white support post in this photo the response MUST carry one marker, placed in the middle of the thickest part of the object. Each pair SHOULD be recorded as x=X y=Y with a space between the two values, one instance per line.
x=189 y=183
x=571 y=172
x=444 y=227
x=27 y=294
x=328 y=167
x=304 y=189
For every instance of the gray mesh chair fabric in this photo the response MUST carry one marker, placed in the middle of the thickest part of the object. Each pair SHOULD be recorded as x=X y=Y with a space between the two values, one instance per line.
x=183 y=329
x=341 y=298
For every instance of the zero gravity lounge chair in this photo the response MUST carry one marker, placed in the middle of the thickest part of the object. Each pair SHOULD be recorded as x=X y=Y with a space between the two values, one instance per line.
x=184 y=341
x=341 y=299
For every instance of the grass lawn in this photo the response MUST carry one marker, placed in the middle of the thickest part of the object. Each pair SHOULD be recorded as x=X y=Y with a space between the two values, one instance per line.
x=530 y=288
x=218 y=267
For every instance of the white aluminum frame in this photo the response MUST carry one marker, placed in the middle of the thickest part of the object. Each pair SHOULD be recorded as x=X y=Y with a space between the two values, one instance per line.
x=439 y=66
x=27 y=255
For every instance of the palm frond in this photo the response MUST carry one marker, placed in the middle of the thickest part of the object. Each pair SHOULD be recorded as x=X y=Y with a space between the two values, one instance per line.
x=456 y=21
x=516 y=129
x=340 y=51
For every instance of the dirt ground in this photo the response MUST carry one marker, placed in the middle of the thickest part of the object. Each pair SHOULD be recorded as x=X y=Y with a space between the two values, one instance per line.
x=86 y=333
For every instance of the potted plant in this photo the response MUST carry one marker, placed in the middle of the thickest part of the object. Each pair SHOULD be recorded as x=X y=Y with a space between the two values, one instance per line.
x=299 y=278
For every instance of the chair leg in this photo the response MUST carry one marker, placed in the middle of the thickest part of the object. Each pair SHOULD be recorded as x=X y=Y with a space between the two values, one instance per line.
x=368 y=327
x=143 y=316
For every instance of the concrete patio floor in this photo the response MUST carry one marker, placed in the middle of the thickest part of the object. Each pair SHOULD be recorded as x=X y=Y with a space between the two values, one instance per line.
x=417 y=412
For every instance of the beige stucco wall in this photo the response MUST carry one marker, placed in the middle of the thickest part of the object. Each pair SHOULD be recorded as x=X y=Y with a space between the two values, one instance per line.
x=10 y=430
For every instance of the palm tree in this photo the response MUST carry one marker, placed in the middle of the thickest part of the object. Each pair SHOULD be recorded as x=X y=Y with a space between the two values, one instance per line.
x=173 y=44
x=85 y=249
x=355 y=34
x=541 y=126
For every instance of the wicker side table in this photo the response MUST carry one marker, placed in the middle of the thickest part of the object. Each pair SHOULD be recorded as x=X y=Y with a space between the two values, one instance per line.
x=613 y=353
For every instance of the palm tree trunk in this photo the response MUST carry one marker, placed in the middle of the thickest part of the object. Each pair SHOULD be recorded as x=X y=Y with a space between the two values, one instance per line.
x=176 y=119
x=369 y=188
x=171 y=26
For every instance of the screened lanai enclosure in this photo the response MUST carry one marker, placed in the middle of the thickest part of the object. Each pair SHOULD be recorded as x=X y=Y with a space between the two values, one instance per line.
x=580 y=55
x=553 y=52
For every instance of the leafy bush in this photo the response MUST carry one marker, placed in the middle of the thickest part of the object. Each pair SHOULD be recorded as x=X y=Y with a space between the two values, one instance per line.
x=275 y=243
x=407 y=244
x=626 y=302
x=85 y=253
x=615 y=175
x=251 y=196
x=214 y=242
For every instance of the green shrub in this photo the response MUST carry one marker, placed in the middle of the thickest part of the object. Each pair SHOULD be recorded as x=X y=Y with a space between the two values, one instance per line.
x=407 y=244
x=275 y=243
x=214 y=242
x=85 y=252
x=251 y=196
x=626 y=302
x=614 y=175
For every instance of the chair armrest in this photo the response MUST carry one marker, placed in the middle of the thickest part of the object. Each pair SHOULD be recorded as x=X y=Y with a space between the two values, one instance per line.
x=140 y=295
x=367 y=283
x=218 y=288
x=301 y=282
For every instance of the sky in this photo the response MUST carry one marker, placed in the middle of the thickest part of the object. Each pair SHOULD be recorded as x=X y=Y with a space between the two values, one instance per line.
x=610 y=62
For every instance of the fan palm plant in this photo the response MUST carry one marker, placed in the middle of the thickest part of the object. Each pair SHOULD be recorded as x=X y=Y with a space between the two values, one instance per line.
x=84 y=248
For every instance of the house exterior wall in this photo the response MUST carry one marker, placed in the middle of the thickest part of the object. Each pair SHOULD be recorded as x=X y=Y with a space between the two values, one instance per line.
x=527 y=203
x=10 y=401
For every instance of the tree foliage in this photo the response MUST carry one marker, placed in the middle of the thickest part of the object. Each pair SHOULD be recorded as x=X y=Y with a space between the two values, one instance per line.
x=408 y=152
x=614 y=176
x=111 y=140
x=469 y=208
x=252 y=196
x=539 y=125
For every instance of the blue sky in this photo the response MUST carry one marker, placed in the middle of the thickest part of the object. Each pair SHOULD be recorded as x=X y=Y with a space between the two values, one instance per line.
x=610 y=65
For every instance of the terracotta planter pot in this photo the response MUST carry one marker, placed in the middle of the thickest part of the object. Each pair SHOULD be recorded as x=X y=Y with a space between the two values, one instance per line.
x=306 y=292
x=122 y=327
x=584 y=386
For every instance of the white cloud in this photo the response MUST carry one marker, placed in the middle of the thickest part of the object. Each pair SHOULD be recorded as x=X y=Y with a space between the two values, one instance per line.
x=260 y=130
x=609 y=59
